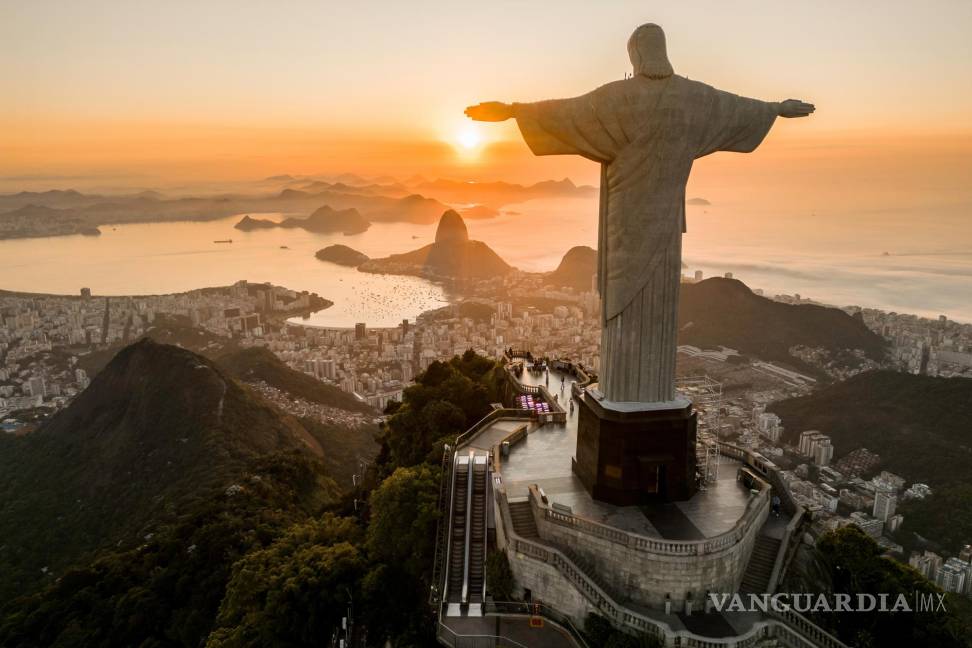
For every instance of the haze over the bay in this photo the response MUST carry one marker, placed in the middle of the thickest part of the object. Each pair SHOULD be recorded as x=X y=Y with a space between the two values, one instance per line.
x=193 y=104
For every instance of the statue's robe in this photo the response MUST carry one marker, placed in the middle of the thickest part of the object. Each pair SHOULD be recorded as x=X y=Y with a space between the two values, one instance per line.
x=645 y=133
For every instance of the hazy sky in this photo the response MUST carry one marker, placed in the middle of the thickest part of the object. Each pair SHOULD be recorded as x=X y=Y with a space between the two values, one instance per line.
x=239 y=89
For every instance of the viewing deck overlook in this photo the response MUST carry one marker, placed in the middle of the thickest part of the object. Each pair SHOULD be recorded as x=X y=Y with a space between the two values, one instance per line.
x=647 y=568
x=544 y=458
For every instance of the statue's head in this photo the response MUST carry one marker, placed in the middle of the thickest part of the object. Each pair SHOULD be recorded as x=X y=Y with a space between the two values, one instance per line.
x=648 y=53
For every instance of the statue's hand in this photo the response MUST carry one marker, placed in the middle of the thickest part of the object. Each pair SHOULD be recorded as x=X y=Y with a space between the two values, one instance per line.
x=491 y=111
x=795 y=108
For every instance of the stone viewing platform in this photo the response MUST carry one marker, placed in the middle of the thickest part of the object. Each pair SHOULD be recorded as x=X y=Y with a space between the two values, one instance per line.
x=544 y=458
x=659 y=555
x=647 y=568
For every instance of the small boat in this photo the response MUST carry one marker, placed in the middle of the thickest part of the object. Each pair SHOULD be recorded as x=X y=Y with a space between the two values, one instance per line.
x=284 y=247
x=224 y=241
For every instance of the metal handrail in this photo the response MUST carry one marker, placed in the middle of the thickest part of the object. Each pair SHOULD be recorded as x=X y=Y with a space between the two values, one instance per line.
x=494 y=415
x=458 y=637
x=469 y=497
x=448 y=540
x=445 y=508
x=486 y=482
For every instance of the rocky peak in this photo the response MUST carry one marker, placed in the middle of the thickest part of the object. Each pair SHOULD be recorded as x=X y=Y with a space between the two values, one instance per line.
x=452 y=229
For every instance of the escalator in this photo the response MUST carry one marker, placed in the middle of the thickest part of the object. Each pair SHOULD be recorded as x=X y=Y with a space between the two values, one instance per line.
x=468 y=537
x=457 y=532
x=477 y=536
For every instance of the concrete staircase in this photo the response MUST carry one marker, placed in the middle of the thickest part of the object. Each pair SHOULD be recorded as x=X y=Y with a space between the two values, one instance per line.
x=525 y=526
x=523 y=522
x=760 y=568
x=586 y=566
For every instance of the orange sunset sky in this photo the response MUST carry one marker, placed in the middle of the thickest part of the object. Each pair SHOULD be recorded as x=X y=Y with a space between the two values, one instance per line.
x=155 y=94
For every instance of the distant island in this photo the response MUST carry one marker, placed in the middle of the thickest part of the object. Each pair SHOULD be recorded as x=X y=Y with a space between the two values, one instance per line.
x=451 y=256
x=324 y=220
x=697 y=201
x=341 y=255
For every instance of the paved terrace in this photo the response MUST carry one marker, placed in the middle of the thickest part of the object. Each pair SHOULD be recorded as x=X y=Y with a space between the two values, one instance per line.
x=544 y=458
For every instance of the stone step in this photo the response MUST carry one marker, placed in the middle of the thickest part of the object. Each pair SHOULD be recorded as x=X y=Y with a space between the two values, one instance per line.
x=760 y=567
x=523 y=522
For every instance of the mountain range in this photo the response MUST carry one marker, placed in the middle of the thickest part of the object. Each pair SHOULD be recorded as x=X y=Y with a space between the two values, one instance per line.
x=417 y=200
x=497 y=194
x=75 y=212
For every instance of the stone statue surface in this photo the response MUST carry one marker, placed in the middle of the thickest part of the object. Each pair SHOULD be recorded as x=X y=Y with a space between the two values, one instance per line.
x=645 y=131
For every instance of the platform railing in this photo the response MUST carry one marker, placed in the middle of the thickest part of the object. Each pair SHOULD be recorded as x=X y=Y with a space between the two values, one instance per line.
x=442 y=528
x=790 y=627
x=756 y=509
x=489 y=419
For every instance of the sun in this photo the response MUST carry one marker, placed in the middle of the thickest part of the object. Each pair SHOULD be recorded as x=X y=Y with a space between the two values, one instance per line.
x=469 y=139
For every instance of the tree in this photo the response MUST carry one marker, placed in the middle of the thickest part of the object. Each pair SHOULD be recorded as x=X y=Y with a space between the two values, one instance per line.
x=946 y=516
x=404 y=512
x=447 y=398
x=499 y=576
x=295 y=591
x=847 y=561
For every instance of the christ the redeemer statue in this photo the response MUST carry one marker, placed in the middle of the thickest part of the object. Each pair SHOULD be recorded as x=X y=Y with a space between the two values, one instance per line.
x=645 y=132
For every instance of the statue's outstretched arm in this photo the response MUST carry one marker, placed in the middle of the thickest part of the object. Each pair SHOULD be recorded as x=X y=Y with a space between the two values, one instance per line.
x=491 y=111
x=795 y=108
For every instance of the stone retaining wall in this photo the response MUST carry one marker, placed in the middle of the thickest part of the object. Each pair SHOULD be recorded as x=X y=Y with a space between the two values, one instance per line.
x=652 y=571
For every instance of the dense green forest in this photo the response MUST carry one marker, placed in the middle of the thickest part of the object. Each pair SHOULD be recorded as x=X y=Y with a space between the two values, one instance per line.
x=918 y=425
x=268 y=551
x=847 y=561
x=725 y=312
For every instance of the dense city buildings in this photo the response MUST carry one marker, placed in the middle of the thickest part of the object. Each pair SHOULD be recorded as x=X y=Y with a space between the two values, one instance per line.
x=931 y=347
x=47 y=343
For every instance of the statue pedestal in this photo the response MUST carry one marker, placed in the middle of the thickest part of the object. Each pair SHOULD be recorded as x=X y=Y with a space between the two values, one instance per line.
x=635 y=453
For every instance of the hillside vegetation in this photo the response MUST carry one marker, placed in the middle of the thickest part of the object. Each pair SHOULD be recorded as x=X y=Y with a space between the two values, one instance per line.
x=259 y=364
x=726 y=312
x=918 y=424
x=171 y=506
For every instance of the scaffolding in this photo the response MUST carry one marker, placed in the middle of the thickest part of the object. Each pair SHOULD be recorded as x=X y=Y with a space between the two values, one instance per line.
x=706 y=394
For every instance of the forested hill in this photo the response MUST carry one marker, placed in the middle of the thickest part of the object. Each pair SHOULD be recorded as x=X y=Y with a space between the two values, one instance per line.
x=171 y=506
x=158 y=425
x=259 y=364
x=726 y=312
x=918 y=424
x=576 y=269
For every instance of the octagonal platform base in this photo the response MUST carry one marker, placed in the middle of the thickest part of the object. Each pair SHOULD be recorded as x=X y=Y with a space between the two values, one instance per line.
x=636 y=453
